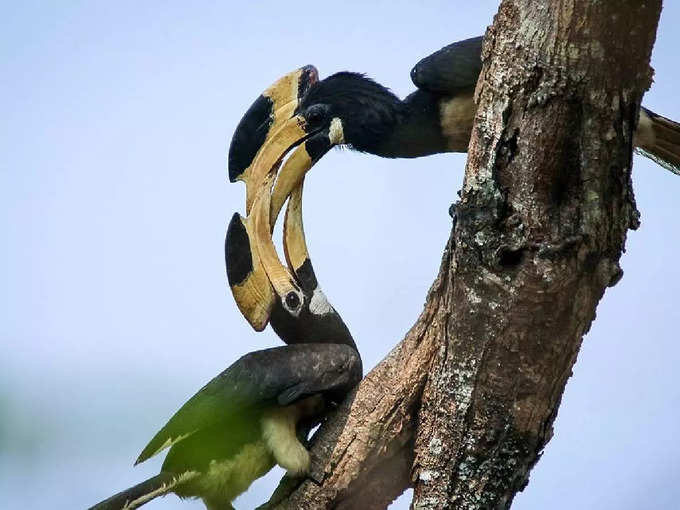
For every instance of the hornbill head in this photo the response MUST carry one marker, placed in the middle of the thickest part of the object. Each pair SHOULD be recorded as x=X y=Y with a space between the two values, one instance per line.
x=264 y=289
x=365 y=110
x=345 y=108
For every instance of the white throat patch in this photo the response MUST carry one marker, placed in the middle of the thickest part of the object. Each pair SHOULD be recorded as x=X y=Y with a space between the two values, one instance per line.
x=319 y=305
x=335 y=133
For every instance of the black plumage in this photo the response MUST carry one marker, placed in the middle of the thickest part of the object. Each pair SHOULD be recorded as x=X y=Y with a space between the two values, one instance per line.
x=374 y=109
x=453 y=68
x=376 y=121
x=438 y=116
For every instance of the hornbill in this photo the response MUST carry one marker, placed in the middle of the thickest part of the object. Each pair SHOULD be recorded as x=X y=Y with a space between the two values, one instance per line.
x=350 y=109
x=255 y=413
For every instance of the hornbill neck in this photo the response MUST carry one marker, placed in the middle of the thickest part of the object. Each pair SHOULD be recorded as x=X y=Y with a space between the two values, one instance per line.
x=317 y=323
x=418 y=130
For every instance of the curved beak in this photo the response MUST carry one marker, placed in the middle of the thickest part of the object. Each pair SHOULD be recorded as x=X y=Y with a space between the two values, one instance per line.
x=264 y=118
x=322 y=323
x=254 y=270
x=300 y=162
x=267 y=161
x=255 y=273
x=247 y=277
x=295 y=244
x=279 y=276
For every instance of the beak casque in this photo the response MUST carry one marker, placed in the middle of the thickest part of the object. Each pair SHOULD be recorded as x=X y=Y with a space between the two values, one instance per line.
x=247 y=277
x=263 y=120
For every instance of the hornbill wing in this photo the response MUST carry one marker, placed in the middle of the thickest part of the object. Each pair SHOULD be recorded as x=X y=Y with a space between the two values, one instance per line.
x=271 y=377
x=454 y=67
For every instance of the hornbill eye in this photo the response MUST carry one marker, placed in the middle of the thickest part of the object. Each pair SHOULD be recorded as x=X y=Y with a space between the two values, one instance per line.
x=316 y=115
x=292 y=301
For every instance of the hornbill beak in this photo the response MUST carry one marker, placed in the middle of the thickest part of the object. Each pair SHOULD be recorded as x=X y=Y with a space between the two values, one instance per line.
x=254 y=270
x=256 y=275
x=267 y=161
x=283 y=282
x=264 y=119
x=247 y=277
x=294 y=243
x=319 y=321
x=294 y=304
x=301 y=161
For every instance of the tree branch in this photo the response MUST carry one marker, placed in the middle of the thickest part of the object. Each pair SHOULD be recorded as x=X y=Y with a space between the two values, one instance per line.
x=463 y=406
x=362 y=455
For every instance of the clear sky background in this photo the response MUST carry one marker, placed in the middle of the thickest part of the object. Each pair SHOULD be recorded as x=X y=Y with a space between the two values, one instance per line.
x=114 y=200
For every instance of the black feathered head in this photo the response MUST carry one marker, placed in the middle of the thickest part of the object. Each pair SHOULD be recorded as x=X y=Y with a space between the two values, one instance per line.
x=367 y=111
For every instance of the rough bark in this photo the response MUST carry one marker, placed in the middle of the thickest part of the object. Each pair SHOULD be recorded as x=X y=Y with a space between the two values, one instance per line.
x=462 y=408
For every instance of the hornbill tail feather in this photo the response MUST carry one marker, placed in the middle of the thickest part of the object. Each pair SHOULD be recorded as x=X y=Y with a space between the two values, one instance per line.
x=142 y=493
x=659 y=140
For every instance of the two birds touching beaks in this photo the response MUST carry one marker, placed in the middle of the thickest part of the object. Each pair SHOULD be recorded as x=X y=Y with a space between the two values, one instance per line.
x=259 y=411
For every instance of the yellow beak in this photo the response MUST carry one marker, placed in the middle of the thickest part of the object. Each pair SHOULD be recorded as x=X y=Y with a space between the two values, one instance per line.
x=300 y=162
x=268 y=159
x=294 y=242
x=247 y=277
x=279 y=276
x=264 y=118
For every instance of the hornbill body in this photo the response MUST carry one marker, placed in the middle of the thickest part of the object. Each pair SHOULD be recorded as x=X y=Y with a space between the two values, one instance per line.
x=437 y=117
x=255 y=413
x=243 y=422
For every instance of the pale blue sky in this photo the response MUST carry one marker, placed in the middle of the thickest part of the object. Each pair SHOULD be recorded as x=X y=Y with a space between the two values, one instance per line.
x=114 y=202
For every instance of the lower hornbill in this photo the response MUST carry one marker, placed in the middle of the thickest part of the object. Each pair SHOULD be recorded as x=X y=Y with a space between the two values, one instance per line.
x=258 y=411
x=350 y=109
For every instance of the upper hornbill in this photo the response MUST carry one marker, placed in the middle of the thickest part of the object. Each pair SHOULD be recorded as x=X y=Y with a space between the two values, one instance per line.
x=351 y=109
x=255 y=413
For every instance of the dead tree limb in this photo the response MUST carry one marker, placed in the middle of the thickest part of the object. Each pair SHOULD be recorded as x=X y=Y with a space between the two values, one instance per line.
x=462 y=408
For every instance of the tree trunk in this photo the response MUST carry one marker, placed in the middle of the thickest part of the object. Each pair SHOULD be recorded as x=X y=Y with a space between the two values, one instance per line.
x=462 y=408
